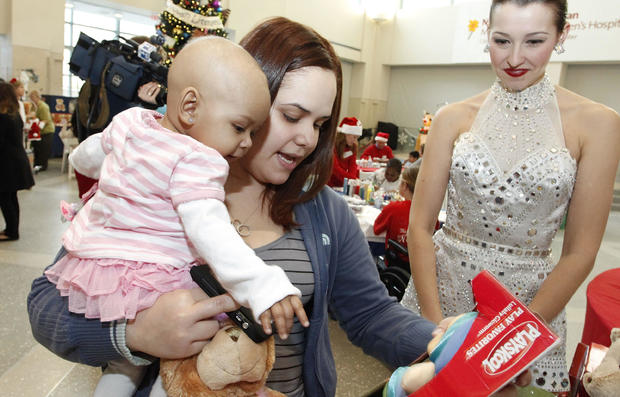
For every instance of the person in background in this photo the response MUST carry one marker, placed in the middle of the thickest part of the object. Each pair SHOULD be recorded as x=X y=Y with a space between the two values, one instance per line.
x=42 y=148
x=514 y=161
x=16 y=173
x=418 y=162
x=413 y=157
x=21 y=91
x=379 y=150
x=394 y=217
x=386 y=179
x=345 y=152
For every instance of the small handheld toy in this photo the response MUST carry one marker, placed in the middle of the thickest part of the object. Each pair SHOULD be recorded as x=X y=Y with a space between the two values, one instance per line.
x=480 y=351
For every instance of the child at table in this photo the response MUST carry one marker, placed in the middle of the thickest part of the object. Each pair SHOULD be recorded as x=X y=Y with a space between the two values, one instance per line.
x=386 y=179
x=413 y=157
x=159 y=208
x=394 y=218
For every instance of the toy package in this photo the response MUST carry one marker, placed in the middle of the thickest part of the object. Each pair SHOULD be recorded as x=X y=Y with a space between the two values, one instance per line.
x=481 y=351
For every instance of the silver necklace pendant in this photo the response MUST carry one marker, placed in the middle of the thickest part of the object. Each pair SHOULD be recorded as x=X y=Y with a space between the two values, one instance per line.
x=242 y=229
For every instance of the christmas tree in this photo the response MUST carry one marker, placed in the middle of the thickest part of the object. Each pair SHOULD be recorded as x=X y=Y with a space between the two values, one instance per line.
x=183 y=19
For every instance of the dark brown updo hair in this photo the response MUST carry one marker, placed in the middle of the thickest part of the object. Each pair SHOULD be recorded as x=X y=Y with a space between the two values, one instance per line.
x=8 y=99
x=280 y=46
x=559 y=6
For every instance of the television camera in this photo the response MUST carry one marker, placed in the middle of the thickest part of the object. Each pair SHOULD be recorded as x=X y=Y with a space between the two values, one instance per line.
x=113 y=71
x=122 y=66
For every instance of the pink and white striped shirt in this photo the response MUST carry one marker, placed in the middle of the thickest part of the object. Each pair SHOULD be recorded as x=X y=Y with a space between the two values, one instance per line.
x=147 y=172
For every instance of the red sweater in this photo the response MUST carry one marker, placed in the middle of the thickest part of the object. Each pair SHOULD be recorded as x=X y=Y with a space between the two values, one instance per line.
x=343 y=168
x=373 y=151
x=394 y=220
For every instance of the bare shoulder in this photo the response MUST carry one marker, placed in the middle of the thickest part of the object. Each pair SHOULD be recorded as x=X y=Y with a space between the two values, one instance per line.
x=587 y=118
x=458 y=117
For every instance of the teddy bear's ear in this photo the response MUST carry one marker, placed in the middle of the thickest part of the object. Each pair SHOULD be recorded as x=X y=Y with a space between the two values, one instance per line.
x=614 y=335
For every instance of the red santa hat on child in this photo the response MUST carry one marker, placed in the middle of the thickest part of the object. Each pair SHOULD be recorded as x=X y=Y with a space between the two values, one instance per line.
x=351 y=126
x=382 y=137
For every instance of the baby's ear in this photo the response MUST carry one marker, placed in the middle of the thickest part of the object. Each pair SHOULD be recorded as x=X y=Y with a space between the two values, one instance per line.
x=188 y=106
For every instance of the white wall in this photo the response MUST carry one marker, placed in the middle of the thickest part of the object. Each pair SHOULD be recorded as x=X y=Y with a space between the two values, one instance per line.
x=140 y=6
x=415 y=89
x=5 y=16
x=6 y=57
x=37 y=42
x=442 y=36
x=347 y=70
x=597 y=82
x=600 y=83
x=339 y=21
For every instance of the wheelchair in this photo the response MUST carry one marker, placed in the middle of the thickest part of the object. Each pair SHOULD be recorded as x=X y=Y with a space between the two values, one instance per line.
x=394 y=271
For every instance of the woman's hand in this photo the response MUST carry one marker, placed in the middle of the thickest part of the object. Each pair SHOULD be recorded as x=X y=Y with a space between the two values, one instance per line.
x=178 y=325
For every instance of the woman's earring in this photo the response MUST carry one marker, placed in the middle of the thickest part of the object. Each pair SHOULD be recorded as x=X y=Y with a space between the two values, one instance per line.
x=190 y=120
x=486 y=48
x=559 y=48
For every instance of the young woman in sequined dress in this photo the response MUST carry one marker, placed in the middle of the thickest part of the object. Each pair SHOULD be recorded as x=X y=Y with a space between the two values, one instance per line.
x=514 y=160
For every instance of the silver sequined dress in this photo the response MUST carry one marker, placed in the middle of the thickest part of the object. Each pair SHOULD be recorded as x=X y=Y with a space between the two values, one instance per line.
x=511 y=180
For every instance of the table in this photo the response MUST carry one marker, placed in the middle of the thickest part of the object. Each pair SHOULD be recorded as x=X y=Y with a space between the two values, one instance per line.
x=603 y=308
x=366 y=217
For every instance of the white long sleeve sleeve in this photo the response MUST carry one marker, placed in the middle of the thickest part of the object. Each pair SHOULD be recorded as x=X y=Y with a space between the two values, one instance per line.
x=88 y=157
x=250 y=281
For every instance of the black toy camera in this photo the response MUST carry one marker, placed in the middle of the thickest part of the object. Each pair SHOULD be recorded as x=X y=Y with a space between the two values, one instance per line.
x=122 y=66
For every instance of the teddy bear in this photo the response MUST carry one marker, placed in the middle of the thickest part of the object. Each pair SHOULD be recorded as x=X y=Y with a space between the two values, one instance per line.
x=231 y=364
x=604 y=381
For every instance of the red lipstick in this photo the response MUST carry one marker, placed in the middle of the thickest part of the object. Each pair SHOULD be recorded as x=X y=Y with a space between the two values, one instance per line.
x=515 y=72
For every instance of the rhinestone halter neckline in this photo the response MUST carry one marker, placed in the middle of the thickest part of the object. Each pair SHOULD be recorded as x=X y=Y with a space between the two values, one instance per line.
x=533 y=97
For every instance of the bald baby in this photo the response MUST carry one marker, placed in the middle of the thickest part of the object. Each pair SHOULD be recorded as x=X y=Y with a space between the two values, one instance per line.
x=214 y=85
x=217 y=94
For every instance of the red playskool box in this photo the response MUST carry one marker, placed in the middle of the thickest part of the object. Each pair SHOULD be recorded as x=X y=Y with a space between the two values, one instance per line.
x=504 y=339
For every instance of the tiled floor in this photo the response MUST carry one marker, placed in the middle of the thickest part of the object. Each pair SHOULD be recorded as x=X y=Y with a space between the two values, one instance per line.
x=29 y=370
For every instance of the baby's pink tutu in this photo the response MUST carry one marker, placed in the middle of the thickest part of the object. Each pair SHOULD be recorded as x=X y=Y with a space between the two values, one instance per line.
x=112 y=289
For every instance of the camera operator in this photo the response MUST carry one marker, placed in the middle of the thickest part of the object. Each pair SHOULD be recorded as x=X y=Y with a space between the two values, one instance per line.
x=148 y=93
x=119 y=75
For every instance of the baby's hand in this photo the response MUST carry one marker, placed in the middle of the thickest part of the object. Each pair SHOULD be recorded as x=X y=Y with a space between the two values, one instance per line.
x=282 y=313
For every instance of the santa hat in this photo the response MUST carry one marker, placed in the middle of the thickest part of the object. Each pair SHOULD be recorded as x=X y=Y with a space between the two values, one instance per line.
x=382 y=137
x=351 y=126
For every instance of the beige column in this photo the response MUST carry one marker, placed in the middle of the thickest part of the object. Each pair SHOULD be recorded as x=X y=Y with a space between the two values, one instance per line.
x=37 y=34
x=370 y=79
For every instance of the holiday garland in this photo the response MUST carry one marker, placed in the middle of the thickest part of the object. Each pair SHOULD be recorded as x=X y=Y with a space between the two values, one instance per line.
x=183 y=18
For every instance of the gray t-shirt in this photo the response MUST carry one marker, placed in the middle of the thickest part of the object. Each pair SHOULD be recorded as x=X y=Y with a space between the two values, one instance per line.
x=289 y=252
